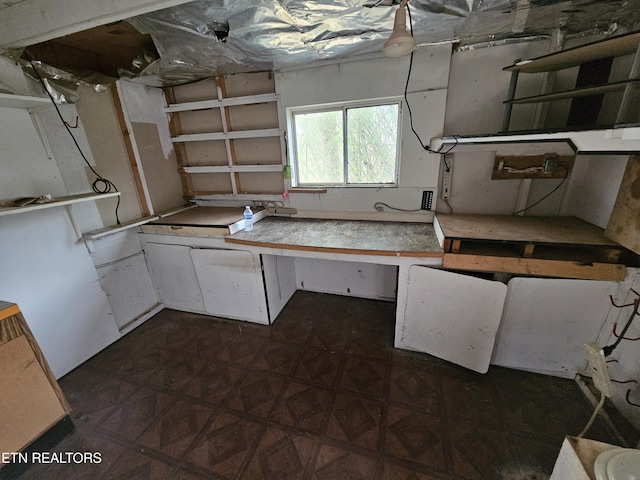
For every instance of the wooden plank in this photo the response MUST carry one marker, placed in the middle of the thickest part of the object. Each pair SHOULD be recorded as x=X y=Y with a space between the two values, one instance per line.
x=225 y=102
x=20 y=101
x=508 y=228
x=136 y=167
x=10 y=327
x=578 y=92
x=58 y=202
x=612 y=47
x=624 y=223
x=509 y=167
x=206 y=216
x=175 y=128
x=534 y=267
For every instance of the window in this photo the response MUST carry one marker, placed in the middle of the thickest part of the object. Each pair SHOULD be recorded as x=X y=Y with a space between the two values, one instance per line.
x=346 y=144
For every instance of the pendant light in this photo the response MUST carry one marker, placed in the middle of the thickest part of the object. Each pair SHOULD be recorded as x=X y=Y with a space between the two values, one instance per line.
x=400 y=42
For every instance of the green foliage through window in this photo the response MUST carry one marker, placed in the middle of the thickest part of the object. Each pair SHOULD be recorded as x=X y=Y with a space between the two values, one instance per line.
x=347 y=145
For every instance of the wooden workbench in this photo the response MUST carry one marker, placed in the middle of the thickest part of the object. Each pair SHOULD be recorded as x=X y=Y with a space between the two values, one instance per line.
x=564 y=247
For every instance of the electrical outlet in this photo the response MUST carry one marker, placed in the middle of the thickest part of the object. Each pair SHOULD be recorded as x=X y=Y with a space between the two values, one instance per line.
x=447 y=176
x=550 y=163
x=600 y=376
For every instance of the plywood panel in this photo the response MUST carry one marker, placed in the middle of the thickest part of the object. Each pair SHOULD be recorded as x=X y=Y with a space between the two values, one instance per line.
x=161 y=173
x=244 y=84
x=211 y=152
x=212 y=182
x=28 y=404
x=624 y=224
x=258 y=151
x=200 y=121
x=195 y=92
x=254 y=116
x=556 y=230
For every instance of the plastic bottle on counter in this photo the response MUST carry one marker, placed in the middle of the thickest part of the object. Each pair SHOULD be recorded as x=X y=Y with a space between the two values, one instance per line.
x=248 y=219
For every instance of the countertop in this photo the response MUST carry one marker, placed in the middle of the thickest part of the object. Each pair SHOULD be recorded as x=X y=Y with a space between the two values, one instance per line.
x=343 y=236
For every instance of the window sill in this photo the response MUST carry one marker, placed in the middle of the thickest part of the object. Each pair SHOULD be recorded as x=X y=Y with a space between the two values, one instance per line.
x=306 y=190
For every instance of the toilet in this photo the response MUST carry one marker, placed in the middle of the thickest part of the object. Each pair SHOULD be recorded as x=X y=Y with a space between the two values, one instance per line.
x=618 y=464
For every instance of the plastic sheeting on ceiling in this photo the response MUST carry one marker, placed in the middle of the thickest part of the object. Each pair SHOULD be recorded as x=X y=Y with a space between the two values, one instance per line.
x=213 y=37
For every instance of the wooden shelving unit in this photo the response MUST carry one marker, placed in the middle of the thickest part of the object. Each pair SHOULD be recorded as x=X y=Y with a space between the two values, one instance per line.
x=614 y=47
x=22 y=101
x=57 y=202
x=227 y=136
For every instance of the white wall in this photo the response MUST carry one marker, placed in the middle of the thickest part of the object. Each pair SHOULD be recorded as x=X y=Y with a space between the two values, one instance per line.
x=68 y=302
x=370 y=79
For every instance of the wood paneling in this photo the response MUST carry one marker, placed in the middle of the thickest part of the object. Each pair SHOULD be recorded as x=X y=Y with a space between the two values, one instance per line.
x=624 y=223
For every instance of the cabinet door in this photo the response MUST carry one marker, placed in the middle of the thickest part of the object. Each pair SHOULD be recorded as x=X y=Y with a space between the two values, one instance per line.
x=231 y=284
x=451 y=316
x=174 y=276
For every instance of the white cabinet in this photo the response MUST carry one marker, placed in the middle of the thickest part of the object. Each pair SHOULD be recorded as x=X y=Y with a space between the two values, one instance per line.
x=174 y=276
x=451 y=316
x=231 y=284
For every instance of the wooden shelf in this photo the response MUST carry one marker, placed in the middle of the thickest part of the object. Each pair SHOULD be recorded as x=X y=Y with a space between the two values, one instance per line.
x=594 y=62
x=57 y=202
x=234 y=135
x=233 y=168
x=578 y=92
x=22 y=101
x=573 y=57
x=237 y=153
x=225 y=102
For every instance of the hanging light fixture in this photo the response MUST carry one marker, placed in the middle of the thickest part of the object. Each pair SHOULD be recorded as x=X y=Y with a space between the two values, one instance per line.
x=400 y=42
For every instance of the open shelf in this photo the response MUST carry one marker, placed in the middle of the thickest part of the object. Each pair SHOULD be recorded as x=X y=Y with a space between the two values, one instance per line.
x=57 y=202
x=22 y=101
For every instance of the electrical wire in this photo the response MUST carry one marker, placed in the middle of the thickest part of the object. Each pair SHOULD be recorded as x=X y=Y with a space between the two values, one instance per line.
x=379 y=206
x=548 y=194
x=100 y=185
x=594 y=415
x=406 y=88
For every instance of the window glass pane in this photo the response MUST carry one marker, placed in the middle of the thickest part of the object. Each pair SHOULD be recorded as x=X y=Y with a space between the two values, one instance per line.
x=372 y=135
x=319 y=147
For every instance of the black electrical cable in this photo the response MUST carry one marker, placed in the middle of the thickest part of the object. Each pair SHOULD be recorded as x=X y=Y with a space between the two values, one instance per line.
x=406 y=87
x=610 y=348
x=100 y=185
x=548 y=194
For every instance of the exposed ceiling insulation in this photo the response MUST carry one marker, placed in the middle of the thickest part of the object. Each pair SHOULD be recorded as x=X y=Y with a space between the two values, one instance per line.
x=212 y=37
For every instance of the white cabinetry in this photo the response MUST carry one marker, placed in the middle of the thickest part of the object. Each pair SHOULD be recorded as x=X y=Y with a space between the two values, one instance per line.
x=199 y=278
x=174 y=276
x=231 y=284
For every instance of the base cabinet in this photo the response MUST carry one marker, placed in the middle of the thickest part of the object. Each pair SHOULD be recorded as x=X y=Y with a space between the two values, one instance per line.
x=31 y=401
x=231 y=284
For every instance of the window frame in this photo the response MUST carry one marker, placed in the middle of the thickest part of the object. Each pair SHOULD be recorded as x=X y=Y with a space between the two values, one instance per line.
x=343 y=107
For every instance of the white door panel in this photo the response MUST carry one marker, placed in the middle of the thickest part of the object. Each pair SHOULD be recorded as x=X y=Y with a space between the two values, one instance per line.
x=451 y=316
x=231 y=284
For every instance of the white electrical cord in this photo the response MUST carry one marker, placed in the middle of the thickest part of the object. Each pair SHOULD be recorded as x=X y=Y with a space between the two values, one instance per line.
x=594 y=415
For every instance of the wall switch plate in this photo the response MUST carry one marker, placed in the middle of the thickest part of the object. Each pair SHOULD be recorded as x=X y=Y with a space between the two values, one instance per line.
x=600 y=376
x=447 y=176
x=282 y=210
x=427 y=200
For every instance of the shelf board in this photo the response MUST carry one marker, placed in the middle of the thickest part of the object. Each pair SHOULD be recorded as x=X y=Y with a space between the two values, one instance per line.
x=57 y=202
x=233 y=168
x=579 y=92
x=226 y=102
x=573 y=57
x=22 y=101
x=200 y=137
x=231 y=196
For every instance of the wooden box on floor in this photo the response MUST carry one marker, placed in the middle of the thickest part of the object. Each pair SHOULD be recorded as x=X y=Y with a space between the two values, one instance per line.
x=577 y=459
x=31 y=402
